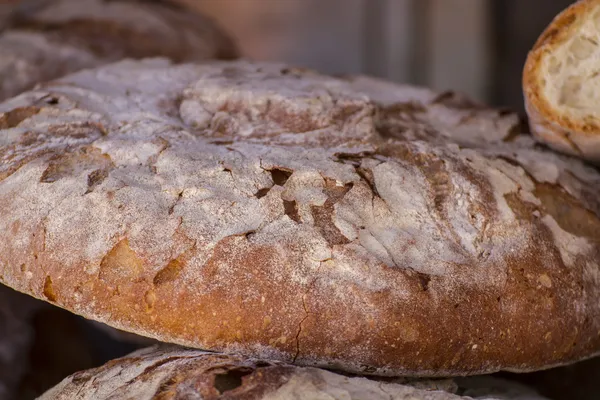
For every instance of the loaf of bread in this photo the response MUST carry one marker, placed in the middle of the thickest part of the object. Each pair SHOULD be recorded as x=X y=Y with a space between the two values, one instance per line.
x=43 y=40
x=277 y=213
x=173 y=373
x=561 y=82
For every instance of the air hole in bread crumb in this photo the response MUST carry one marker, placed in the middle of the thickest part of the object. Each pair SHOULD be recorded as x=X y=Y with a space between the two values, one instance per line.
x=231 y=379
x=49 y=292
x=583 y=47
x=554 y=66
x=280 y=176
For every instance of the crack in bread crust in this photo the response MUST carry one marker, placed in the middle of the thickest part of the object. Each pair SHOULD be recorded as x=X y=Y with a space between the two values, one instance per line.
x=177 y=202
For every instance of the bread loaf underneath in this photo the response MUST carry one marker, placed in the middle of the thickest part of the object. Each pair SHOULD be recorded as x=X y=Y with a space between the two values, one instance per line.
x=43 y=40
x=561 y=82
x=176 y=373
x=277 y=213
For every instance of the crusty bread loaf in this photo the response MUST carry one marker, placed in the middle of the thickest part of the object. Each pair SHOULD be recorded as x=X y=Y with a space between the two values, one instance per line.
x=173 y=373
x=561 y=82
x=282 y=214
x=47 y=39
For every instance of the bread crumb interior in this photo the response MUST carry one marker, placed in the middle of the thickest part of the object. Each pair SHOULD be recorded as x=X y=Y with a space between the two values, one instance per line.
x=571 y=73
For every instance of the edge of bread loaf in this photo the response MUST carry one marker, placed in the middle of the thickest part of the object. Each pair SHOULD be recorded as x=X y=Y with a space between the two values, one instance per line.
x=558 y=130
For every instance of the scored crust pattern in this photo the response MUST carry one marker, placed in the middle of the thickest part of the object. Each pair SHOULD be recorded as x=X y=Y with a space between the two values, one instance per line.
x=278 y=213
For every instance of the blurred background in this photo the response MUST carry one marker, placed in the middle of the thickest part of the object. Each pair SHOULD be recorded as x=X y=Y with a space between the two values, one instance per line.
x=474 y=46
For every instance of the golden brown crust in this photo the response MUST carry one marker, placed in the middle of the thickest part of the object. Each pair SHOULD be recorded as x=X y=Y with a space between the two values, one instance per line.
x=569 y=134
x=278 y=213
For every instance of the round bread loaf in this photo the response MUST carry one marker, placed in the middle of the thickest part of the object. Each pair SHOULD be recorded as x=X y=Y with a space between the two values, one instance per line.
x=561 y=82
x=278 y=213
x=44 y=40
x=176 y=373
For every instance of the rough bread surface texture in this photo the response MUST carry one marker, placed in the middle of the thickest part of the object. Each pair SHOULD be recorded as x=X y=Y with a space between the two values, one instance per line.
x=278 y=213
x=561 y=82
x=43 y=40
x=176 y=373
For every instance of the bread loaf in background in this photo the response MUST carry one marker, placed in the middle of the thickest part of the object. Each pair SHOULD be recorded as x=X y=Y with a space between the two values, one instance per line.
x=176 y=373
x=561 y=82
x=278 y=213
x=43 y=40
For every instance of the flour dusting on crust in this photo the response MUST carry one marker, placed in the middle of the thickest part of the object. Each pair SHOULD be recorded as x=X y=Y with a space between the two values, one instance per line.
x=272 y=211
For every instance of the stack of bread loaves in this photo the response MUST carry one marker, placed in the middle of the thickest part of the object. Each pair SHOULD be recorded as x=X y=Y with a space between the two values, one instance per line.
x=284 y=222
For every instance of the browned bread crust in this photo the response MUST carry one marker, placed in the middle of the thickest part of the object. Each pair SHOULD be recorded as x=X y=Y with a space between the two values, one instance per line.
x=278 y=213
x=559 y=88
x=44 y=40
